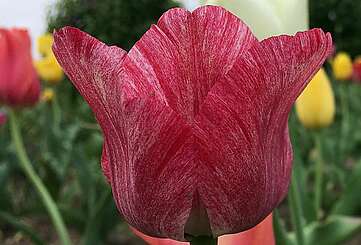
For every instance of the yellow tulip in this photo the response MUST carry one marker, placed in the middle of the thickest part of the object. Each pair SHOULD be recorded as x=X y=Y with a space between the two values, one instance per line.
x=342 y=66
x=47 y=95
x=316 y=106
x=49 y=69
x=44 y=44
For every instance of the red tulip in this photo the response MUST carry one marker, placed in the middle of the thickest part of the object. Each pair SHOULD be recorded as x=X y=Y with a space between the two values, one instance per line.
x=194 y=118
x=260 y=234
x=357 y=70
x=19 y=85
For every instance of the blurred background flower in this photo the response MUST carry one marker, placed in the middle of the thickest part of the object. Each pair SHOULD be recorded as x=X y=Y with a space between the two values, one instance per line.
x=19 y=84
x=44 y=44
x=357 y=69
x=49 y=70
x=189 y=4
x=316 y=105
x=47 y=95
x=48 y=67
x=342 y=66
x=268 y=18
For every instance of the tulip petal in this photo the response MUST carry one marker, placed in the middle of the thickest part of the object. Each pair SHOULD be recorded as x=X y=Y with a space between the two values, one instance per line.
x=95 y=70
x=147 y=155
x=243 y=129
x=105 y=163
x=93 y=67
x=157 y=241
x=260 y=234
x=156 y=169
x=185 y=54
x=32 y=93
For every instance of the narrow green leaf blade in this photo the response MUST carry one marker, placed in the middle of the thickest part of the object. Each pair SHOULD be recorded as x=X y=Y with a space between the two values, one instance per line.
x=336 y=230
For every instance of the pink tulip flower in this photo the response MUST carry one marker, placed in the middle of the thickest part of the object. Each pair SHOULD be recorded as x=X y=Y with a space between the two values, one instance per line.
x=194 y=118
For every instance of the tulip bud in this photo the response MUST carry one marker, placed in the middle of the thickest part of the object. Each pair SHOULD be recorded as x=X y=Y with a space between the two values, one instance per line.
x=19 y=84
x=356 y=76
x=47 y=95
x=316 y=105
x=342 y=66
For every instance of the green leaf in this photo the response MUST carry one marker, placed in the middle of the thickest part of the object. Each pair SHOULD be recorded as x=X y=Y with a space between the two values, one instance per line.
x=300 y=174
x=98 y=220
x=350 y=201
x=336 y=230
x=4 y=194
x=280 y=231
x=13 y=221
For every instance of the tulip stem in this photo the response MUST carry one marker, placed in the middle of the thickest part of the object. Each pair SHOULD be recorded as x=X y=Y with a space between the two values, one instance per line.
x=318 y=176
x=36 y=181
x=344 y=122
x=296 y=210
x=203 y=240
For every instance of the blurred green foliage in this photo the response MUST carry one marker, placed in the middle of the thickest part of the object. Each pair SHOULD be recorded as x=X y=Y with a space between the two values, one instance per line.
x=120 y=22
x=342 y=18
x=340 y=151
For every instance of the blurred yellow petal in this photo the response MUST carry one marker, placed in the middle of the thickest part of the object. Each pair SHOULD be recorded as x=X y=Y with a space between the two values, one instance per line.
x=316 y=105
x=49 y=69
x=47 y=95
x=44 y=44
x=342 y=66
